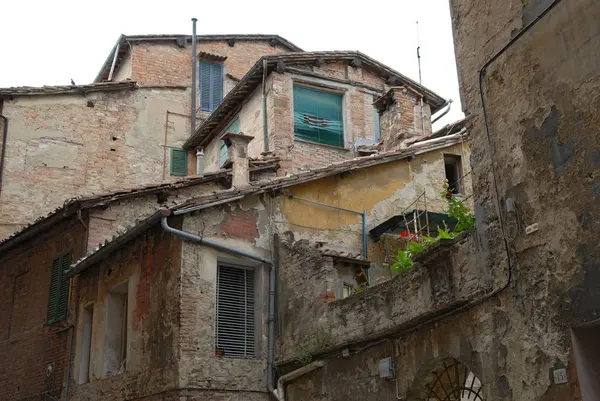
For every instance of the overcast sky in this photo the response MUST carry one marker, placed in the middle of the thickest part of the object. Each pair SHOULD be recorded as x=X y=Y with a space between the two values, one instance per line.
x=51 y=42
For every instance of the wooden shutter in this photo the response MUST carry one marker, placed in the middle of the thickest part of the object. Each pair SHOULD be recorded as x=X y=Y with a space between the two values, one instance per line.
x=217 y=85
x=211 y=85
x=58 y=298
x=235 y=311
x=234 y=128
x=179 y=162
x=204 y=83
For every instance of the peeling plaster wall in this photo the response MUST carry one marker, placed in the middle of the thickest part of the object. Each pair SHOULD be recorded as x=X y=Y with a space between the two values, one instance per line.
x=150 y=267
x=383 y=191
x=542 y=103
x=242 y=226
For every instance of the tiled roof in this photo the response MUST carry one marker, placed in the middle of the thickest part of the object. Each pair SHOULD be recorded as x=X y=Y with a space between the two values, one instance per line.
x=72 y=205
x=236 y=97
x=67 y=89
x=255 y=188
x=180 y=39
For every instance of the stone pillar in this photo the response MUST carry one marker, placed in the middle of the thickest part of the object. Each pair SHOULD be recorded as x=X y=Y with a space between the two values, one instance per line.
x=237 y=146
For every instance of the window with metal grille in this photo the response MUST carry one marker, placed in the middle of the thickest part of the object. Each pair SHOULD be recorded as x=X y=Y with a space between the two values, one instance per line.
x=211 y=85
x=179 y=162
x=318 y=116
x=235 y=312
x=58 y=299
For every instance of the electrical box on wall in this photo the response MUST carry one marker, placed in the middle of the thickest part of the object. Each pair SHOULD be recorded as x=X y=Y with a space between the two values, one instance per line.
x=387 y=369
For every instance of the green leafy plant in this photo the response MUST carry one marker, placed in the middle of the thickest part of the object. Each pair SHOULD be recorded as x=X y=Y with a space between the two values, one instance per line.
x=415 y=244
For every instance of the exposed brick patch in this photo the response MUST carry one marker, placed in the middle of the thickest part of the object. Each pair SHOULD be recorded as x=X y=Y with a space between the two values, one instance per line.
x=239 y=223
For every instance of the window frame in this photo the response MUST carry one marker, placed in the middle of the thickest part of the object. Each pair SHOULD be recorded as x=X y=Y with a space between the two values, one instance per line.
x=212 y=104
x=327 y=89
x=456 y=162
x=57 y=314
x=253 y=337
x=172 y=170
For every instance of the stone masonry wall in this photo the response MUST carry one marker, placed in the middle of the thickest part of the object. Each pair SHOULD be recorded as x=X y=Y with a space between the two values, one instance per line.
x=27 y=345
x=542 y=104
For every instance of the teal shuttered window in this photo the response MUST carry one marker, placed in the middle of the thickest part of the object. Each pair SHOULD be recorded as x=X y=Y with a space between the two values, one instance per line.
x=179 y=162
x=211 y=85
x=58 y=299
x=318 y=116
x=234 y=128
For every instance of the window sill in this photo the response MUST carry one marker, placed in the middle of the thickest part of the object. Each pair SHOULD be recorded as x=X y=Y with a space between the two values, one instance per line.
x=322 y=144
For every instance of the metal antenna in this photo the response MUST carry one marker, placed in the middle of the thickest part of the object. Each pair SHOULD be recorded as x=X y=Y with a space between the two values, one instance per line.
x=419 y=53
x=420 y=79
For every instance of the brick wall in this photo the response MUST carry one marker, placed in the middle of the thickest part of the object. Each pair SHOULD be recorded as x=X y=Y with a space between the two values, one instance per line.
x=64 y=146
x=150 y=266
x=27 y=345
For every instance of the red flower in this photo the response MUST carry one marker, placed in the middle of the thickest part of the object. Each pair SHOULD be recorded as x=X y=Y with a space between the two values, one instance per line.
x=404 y=234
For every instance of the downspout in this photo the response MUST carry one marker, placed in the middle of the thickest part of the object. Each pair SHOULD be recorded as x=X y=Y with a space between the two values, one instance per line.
x=72 y=343
x=458 y=135
x=272 y=283
x=449 y=104
x=280 y=391
x=114 y=62
x=4 y=138
x=194 y=73
x=264 y=107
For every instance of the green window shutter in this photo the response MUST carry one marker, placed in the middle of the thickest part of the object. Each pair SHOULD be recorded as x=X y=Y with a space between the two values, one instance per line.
x=318 y=116
x=179 y=162
x=58 y=299
x=211 y=85
x=234 y=128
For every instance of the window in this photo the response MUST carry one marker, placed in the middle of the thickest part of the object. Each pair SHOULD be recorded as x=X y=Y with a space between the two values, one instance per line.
x=58 y=300
x=347 y=290
x=211 y=85
x=234 y=128
x=453 y=167
x=115 y=334
x=86 y=344
x=318 y=116
x=179 y=162
x=235 y=311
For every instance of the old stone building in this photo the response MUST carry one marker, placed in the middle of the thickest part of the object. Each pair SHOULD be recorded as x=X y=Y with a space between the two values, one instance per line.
x=121 y=130
x=141 y=317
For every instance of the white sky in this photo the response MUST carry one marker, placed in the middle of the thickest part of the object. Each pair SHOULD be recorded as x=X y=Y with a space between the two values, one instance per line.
x=50 y=42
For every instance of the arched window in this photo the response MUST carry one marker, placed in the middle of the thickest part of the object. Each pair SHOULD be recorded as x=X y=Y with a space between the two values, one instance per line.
x=450 y=380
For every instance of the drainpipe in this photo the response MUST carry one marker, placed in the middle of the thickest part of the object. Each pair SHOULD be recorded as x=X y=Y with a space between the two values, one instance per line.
x=442 y=138
x=194 y=73
x=280 y=391
x=114 y=62
x=264 y=107
x=449 y=104
x=272 y=283
x=3 y=154
x=199 y=161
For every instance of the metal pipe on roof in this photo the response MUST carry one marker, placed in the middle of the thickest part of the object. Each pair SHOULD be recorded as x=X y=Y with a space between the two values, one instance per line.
x=449 y=104
x=114 y=62
x=264 y=107
x=4 y=138
x=194 y=73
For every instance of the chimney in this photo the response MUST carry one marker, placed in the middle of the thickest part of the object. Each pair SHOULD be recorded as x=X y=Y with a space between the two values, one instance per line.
x=400 y=117
x=237 y=146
